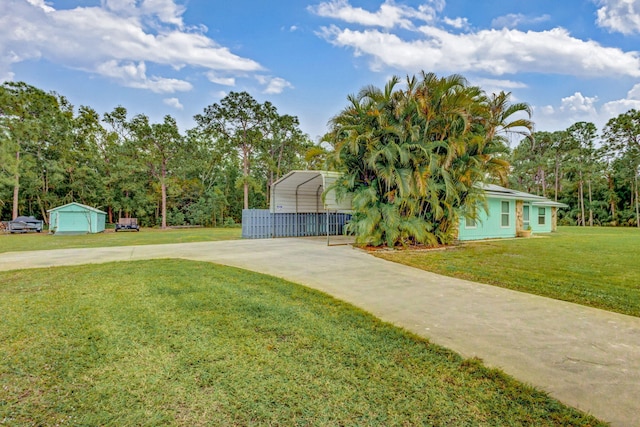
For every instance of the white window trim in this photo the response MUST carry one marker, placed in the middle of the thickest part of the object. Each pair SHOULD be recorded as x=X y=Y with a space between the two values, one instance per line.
x=470 y=227
x=542 y=216
x=508 y=213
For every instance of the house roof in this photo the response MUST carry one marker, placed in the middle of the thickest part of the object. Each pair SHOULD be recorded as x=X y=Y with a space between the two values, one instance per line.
x=80 y=205
x=301 y=190
x=497 y=191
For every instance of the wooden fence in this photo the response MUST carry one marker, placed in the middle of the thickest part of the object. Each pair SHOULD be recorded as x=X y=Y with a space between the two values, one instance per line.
x=262 y=224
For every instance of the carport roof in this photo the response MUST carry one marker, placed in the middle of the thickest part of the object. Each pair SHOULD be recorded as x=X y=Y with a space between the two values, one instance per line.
x=299 y=191
x=295 y=179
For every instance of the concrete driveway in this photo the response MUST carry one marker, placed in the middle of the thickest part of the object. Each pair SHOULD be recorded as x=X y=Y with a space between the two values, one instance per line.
x=585 y=357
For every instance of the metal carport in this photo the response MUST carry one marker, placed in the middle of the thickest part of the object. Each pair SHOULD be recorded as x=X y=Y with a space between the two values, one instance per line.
x=302 y=204
x=301 y=192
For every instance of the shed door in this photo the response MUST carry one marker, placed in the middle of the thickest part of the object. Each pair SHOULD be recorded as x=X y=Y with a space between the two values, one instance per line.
x=77 y=221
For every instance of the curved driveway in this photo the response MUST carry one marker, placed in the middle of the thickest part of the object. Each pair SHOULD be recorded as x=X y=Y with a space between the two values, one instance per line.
x=585 y=357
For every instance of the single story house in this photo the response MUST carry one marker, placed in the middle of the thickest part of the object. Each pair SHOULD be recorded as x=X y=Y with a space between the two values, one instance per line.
x=302 y=204
x=510 y=213
x=76 y=218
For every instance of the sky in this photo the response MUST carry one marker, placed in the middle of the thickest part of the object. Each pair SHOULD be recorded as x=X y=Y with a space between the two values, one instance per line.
x=569 y=60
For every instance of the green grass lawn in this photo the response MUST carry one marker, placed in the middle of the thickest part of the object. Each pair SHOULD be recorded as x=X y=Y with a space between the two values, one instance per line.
x=148 y=236
x=598 y=267
x=185 y=343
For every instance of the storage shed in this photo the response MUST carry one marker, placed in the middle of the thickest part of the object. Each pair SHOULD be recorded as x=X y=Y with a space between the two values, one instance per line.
x=76 y=218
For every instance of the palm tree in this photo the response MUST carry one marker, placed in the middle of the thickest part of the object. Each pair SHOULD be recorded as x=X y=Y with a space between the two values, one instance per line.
x=411 y=159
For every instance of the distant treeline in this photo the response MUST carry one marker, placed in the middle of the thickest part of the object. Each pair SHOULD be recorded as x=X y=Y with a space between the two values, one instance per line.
x=596 y=174
x=52 y=153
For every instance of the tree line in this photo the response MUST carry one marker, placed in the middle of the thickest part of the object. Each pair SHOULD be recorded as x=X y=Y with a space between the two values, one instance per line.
x=596 y=174
x=52 y=154
x=412 y=157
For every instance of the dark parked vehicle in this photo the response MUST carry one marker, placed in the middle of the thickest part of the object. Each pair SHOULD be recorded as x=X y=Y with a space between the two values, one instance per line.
x=24 y=224
x=127 y=224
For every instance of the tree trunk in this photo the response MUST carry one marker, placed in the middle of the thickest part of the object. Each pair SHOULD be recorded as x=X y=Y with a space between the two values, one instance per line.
x=612 y=200
x=164 y=194
x=270 y=182
x=637 y=204
x=557 y=179
x=590 y=206
x=16 y=186
x=632 y=202
x=581 y=197
x=245 y=172
x=278 y=169
x=43 y=211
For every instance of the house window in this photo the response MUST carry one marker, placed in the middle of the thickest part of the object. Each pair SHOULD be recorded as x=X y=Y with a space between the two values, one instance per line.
x=470 y=223
x=505 y=214
x=541 y=216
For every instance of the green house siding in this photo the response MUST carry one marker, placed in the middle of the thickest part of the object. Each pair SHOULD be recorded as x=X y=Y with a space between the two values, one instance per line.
x=541 y=219
x=500 y=222
x=75 y=218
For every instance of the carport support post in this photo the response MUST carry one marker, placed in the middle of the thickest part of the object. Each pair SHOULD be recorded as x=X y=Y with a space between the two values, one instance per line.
x=273 y=215
x=326 y=211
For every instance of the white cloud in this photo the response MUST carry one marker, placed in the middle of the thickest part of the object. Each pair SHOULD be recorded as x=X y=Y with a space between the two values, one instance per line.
x=274 y=85
x=513 y=20
x=615 y=108
x=497 y=85
x=621 y=16
x=578 y=103
x=164 y=10
x=620 y=106
x=220 y=80
x=134 y=75
x=389 y=15
x=6 y=76
x=494 y=52
x=42 y=5
x=571 y=109
x=581 y=108
x=458 y=23
x=634 y=93
x=173 y=102
x=106 y=40
x=547 y=109
x=502 y=84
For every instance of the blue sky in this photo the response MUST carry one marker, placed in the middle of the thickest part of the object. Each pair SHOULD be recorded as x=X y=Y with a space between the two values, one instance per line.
x=570 y=60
